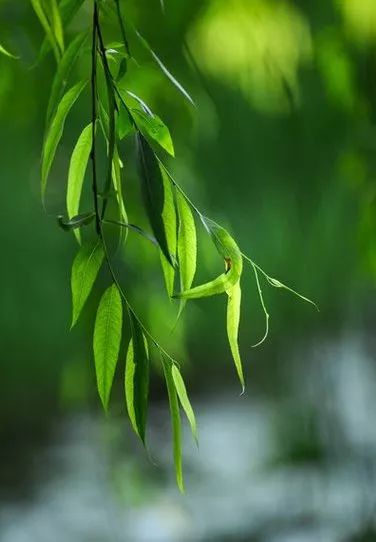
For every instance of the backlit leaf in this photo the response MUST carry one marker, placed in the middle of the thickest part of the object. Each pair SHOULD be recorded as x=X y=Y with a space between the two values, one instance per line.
x=233 y=319
x=76 y=174
x=169 y=221
x=175 y=423
x=56 y=130
x=137 y=379
x=187 y=245
x=167 y=73
x=85 y=269
x=184 y=399
x=152 y=192
x=63 y=70
x=153 y=127
x=7 y=53
x=40 y=12
x=106 y=341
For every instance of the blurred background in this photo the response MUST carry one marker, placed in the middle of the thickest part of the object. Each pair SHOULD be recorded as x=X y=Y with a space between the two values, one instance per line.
x=281 y=149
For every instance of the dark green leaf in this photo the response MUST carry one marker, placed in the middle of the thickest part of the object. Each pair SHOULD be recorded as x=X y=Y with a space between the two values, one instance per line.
x=233 y=319
x=137 y=379
x=124 y=124
x=56 y=130
x=184 y=399
x=62 y=73
x=153 y=192
x=40 y=12
x=175 y=423
x=153 y=127
x=76 y=174
x=85 y=269
x=76 y=221
x=106 y=341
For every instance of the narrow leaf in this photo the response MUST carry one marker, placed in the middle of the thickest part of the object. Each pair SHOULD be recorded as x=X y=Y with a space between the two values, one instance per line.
x=154 y=128
x=175 y=423
x=137 y=379
x=85 y=269
x=232 y=256
x=56 y=130
x=187 y=246
x=7 y=53
x=233 y=319
x=39 y=11
x=106 y=341
x=63 y=70
x=76 y=221
x=184 y=400
x=116 y=179
x=167 y=73
x=169 y=222
x=76 y=174
x=124 y=123
x=153 y=192
x=56 y=24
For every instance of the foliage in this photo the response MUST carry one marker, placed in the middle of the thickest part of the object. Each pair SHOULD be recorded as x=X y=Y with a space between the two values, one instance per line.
x=172 y=215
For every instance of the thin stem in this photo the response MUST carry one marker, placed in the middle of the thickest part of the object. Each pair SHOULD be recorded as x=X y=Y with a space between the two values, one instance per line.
x=122 y=28
x=94 y=115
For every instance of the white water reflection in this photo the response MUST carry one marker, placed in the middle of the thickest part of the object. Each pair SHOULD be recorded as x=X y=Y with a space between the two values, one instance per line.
x=250 y=480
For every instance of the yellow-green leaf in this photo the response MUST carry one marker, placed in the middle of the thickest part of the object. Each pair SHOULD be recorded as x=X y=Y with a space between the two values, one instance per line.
x=233 y=319
x=6 y=52
x=184 y=400
x=106 y=341
x=137 y=379
x=85 y=268
x=175 y=423
x=169 y=221
x=187 y=246
x=56 y=130
x=76 y=174
x=153 y=127
x=43 y=19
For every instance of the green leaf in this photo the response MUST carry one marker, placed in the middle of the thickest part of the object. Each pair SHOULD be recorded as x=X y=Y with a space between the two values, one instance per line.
x=137 y=379
x=116 y=178
x=106 y=342
x=124 y=123
x=85 y=269
x=76 y=221
x=233 y=319
x=175 y=423
x=76 y=174
x=7 y=53
x=184 y=400
x=187 y=246
x=167 y=73
x=68 y=9
x=154 y=128
x=169 y=221
x=56 y=130
x=63 y=70
x=40 y=12
x=56 y=24
x=152 y=192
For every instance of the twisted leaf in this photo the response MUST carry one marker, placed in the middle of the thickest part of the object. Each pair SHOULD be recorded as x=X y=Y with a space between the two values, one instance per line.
x=137 y=379
x=233 y=319
x=106 y=341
